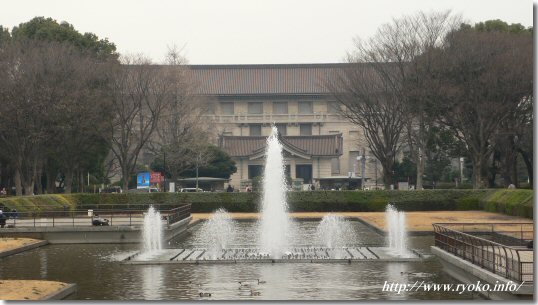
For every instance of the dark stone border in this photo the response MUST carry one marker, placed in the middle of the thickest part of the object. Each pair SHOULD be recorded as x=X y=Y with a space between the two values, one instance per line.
x=62 y=293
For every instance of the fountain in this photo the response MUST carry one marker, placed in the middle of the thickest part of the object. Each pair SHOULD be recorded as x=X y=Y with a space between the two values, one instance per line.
x=218 y=231
x=330 y=243
x=334 y=232
x=152 y=231
x=274 y=225
x=397 y=237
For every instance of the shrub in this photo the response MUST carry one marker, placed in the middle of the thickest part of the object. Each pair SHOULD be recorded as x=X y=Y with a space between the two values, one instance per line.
x=517 y=202
x=511 y=202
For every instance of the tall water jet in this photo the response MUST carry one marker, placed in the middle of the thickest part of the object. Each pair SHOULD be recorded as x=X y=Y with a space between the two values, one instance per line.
x=152 y=231
x=334 y=232
x=218 y=232
x=274 y=225
x=397 y=237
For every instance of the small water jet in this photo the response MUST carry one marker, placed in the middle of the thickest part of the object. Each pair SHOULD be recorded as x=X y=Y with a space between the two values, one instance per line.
x=274 y=224
x=152 y=231
x=397 y=237
x=217 y=232
x=334 y=232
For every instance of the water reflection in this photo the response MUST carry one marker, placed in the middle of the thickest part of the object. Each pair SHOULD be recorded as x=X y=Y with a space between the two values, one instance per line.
x=397 y=273
x=43 y=264
x=152 y=282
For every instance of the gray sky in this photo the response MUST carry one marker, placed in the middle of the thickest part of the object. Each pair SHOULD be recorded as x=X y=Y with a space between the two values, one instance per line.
x=247 y=31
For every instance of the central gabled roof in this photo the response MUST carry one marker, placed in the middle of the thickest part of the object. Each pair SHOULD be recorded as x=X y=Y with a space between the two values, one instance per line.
x=300 y=146
x=284 y=79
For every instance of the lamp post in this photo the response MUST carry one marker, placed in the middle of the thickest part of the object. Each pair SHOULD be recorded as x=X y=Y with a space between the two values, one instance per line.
x=363 y=165
x=461 y=169
x=198 y=159
x=164 y=170
x=375 y=162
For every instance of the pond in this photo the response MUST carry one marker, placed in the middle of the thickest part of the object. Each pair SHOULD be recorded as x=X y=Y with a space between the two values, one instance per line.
x=99 y=276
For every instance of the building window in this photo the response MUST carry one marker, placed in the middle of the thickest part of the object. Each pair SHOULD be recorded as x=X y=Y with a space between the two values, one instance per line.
x=306 y=108
x=333 y=107
x=354 y=163
x=210 y=108
x=255 y=108
x=227 y=108
x=305 y=129
x=280 y=108
x=282 y=128
x=335 y=166
x=255 y=129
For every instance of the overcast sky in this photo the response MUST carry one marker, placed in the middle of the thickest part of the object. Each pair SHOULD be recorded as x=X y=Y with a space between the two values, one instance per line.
x=247 y=31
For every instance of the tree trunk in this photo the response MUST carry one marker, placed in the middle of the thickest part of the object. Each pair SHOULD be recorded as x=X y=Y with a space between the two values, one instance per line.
x=29 y=188
x=18 y=182
x=509 y=171
x=528 y=163
x=39 y=183
x=477 y=172
x=68 y=181
x=421 y=154
x=125 y=177
x=420 y=171
x=39 y=180
x=51 y=182
x=4 y=175
x=387 y=174
x=515 y=179
x=81 y=182
x=492 y=170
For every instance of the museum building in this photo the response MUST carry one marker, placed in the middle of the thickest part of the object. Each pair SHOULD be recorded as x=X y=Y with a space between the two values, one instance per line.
x=320 y=147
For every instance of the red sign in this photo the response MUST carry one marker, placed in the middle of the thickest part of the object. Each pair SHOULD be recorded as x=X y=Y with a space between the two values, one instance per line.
x=156 y=177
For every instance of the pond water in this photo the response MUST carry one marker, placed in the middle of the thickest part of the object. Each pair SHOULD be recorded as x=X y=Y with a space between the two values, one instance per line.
x=100 y=276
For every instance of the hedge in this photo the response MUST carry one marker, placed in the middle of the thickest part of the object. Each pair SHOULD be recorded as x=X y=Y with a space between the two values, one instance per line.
x=512 y=202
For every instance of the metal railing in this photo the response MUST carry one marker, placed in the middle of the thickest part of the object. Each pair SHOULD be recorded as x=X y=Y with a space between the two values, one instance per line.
x=178 y=214
x=74 y=218
x=500 y=247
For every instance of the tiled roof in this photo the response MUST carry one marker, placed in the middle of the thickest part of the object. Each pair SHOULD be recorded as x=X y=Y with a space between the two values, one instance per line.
x=324 y=145
x=286 y=79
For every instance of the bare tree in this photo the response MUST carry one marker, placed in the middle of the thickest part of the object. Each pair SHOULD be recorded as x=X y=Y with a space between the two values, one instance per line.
x=141 y=92
x=370 y=102
x=511 y=139
x=392 y=52
x=182 y=132
x=478 y=79
x=38 y=81
x=83 y=120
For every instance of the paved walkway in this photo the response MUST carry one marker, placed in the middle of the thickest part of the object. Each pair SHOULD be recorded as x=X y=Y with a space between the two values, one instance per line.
x=416 y=221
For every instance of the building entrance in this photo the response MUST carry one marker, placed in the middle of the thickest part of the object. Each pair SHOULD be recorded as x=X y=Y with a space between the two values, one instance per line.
x=304 y=171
